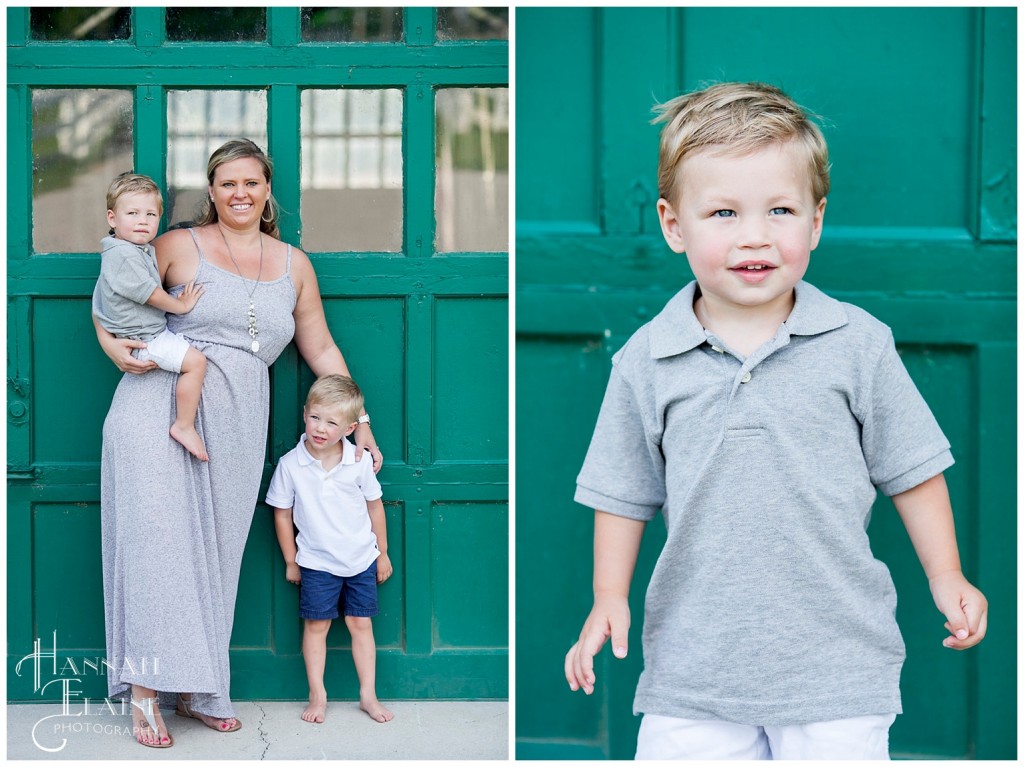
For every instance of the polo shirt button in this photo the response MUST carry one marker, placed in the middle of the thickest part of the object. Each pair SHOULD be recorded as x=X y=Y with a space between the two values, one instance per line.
x=745 y=378
x=718 y=349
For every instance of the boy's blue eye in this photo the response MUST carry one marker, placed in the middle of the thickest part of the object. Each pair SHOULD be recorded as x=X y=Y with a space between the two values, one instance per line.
x=780 y=211
x=724 y=213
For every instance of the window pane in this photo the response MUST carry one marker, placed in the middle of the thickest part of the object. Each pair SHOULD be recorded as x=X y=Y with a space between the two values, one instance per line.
x=197 y=123
x=471 y=196
x=352 y=25
x=472 y=24
x=81 y=139
x=217 y=24
x=352 y=170
x=80 y=23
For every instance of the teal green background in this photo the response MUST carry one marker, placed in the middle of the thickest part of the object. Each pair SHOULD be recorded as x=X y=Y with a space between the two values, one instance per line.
x=425 y=335
x=919 y=108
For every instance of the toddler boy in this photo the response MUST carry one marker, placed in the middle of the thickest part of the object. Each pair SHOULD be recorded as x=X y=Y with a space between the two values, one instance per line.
x=341 y=549
x=130 y=302
x=760 y=416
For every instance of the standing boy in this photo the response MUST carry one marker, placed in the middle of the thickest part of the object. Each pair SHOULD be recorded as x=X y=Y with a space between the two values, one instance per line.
x=340 y=553
x=760 y=416
x=129 y=299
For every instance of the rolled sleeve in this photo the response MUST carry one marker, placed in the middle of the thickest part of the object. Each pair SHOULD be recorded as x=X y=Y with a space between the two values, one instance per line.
x=281 y=493
x=624 y=470
x=902 y=442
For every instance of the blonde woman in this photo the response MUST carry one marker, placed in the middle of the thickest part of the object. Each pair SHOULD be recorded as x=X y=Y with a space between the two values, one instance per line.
x=172 y=545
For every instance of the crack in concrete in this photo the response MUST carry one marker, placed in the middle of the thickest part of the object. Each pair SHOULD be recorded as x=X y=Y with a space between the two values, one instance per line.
x=263 y=734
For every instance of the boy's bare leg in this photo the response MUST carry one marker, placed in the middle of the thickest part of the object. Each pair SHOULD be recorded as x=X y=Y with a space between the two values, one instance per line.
x=314 y=652
x=190 y=386
x=364 y=653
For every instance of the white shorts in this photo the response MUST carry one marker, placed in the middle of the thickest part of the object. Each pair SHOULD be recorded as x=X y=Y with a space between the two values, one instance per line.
x=666 y=737
x=167 y=350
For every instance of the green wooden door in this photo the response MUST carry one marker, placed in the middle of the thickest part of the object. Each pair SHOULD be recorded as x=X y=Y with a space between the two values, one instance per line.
x=389 y=132
x=920 y=231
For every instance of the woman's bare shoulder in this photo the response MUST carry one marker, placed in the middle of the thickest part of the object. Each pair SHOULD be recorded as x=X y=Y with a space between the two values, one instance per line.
x=174 y=241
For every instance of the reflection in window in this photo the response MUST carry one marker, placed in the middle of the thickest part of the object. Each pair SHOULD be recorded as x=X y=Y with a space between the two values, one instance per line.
x=81 y=139
x=352 y=25
x=471 y=194
x=472 y=24
x=71 y=23
x=197 y=123
x=352 y=170
x=213 y=24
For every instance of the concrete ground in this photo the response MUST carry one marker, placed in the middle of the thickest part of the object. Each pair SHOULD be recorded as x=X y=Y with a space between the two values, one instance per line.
x=450 y=730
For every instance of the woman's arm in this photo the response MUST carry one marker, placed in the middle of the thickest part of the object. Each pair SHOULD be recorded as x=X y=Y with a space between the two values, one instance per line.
x=316 y=345
x=120 y=350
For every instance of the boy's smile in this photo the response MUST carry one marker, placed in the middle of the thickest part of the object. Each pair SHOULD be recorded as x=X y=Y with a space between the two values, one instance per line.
x=747 y=224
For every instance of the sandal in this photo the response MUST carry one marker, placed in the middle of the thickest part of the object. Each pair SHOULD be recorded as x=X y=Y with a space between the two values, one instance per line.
x=146 y=706
x=185 y=709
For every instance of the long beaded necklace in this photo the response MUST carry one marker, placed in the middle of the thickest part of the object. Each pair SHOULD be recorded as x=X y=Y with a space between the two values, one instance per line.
x=253 y=330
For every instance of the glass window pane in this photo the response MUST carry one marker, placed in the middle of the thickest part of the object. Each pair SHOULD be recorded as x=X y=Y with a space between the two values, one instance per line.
x=352 y=170
x=472 y=24
x=352 y=25
x=81 y=139
x=197 y=123
x=80 y=23
x=206 y=24
x=471 y=195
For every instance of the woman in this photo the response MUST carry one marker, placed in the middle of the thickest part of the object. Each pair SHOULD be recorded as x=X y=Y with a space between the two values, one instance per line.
x=174 y=528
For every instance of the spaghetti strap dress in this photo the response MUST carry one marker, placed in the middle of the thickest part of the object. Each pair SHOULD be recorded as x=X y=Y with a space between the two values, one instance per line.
x=173 y=527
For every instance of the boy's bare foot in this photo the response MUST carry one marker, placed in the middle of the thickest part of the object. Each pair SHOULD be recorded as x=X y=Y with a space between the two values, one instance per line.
x=376 y=711
x=190 y=440
x=316 y=711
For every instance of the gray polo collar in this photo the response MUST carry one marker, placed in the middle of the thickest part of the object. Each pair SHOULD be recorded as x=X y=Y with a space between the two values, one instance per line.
x=676 y=328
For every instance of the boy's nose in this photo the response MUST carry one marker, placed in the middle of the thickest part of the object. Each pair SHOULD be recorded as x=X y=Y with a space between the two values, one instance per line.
x=753 y=235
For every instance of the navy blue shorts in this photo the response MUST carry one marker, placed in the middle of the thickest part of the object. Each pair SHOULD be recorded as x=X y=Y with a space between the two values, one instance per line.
x=321 y=593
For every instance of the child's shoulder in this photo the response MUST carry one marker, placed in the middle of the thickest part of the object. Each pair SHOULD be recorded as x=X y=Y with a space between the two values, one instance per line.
x=673 y=330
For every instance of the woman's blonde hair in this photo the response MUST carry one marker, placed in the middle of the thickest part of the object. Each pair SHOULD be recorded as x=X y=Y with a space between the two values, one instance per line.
x=237 y=149
x=736 y=118
x=337 y=391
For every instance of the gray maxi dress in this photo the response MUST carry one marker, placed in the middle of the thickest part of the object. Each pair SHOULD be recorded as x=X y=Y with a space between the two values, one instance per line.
x=173 y=527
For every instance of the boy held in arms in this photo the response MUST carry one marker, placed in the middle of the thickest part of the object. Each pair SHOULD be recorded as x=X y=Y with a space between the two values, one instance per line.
x=760 y=416
x=341 y=552
x=130 y=302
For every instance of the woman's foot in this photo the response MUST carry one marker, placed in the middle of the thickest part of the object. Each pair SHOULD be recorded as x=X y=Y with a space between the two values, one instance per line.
x=184 y=708
x=316 y=711
x=147 y=724
x=374 y=709
x=189 y=438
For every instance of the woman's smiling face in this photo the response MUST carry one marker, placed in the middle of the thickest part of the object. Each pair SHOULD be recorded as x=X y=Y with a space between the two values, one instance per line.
x=240 y=192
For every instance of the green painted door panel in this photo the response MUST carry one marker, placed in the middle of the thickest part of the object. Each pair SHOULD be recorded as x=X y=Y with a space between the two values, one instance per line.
x=424 y=333
x=918 y=106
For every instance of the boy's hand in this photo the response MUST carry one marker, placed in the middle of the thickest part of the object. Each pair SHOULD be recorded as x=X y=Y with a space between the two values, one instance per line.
x=384 y=568
x=292 y=574
x=608 y=618
x=965 y=608
x=189 y=296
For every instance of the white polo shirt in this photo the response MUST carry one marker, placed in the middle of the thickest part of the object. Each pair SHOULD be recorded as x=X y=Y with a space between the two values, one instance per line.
x=766 y=605
x=329 y=508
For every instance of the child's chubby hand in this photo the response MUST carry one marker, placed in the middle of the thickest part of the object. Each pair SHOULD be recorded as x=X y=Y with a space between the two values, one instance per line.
x=608 y=618
x=965 y=608
x=292 y=574
x=190 y=296
x=384 y=568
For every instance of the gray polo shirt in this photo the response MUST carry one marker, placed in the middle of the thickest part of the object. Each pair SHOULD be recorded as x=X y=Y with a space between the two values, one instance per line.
x=128 y=277
x=766 y=605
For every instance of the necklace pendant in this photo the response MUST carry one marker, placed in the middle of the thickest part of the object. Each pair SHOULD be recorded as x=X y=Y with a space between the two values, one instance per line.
x=255 y=345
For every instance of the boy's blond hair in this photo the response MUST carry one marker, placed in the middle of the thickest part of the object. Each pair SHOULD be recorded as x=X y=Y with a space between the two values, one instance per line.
x=736 y=118
x=129 y=183
x=337 y=391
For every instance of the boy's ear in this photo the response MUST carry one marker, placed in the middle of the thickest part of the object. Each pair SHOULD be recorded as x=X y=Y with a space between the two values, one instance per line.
x=110 y=219
x=670 y=228
x=351 y=428
x=819 y=219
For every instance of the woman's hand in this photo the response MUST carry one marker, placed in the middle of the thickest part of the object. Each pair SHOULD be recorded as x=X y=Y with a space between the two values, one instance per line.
x=120 y=351
x=365 y=441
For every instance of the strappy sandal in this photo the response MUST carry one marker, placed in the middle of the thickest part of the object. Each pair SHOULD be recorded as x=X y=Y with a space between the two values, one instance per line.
x=185 y=709
x=146 y=706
